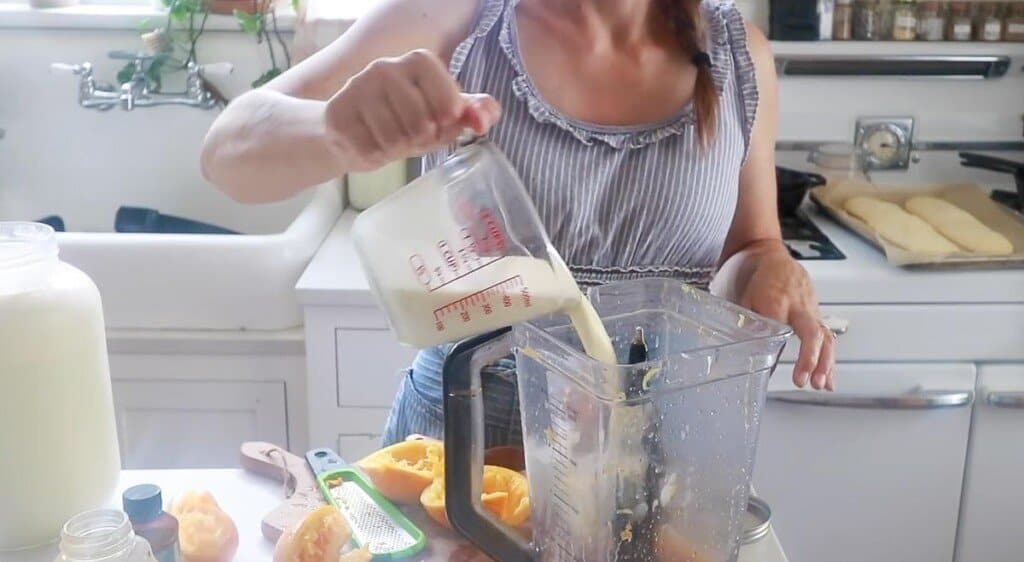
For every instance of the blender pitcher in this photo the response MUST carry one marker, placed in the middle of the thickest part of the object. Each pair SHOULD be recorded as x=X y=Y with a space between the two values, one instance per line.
x=647 y=462
x=460 y=251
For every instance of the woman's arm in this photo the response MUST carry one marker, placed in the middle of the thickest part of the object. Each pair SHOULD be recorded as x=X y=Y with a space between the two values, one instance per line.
x=756 y=264
x=379 y=93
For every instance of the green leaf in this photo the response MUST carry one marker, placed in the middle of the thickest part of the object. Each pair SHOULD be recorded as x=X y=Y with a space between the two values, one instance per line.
x=179 y=10
x=250 y=23
x=146 y=25
x=266 y=77
x=125 y=74
x=295 y=5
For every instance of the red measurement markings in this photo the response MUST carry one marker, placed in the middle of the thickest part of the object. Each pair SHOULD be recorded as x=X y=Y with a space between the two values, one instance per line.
x=419 y=268
x=483 y=299
x=448 y=256
x=492 y=237
x=526 y=296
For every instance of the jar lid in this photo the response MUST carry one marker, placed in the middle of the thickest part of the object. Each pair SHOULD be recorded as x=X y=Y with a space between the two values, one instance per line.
x=757 y=520
x=143 y=503
x=24 y=241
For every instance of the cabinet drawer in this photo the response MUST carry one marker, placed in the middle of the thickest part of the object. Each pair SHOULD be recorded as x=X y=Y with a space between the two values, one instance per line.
x=872 y=471
x=368 y=367
x=363 y=429
x=195 y=424
x=990 y=521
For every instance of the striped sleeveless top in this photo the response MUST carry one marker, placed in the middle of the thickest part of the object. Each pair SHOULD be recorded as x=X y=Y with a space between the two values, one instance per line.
x=619 y=202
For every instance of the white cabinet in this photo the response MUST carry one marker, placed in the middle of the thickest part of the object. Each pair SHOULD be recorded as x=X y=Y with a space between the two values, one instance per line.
x=354 y=366
x=368 y=367
x=872 y=471
x=990 y=527
x=195 y=424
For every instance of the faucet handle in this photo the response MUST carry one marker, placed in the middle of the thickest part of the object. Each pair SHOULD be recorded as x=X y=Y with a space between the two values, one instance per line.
x=216 y=69
x=76 y=69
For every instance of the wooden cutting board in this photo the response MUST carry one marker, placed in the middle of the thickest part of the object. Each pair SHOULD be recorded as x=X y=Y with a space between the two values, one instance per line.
x=299 y=491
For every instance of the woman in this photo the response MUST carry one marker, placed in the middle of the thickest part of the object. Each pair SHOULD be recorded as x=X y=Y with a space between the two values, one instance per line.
x=644 y=130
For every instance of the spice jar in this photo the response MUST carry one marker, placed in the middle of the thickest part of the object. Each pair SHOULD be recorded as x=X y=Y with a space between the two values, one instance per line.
x=904 y=21
x=842 y=21
x=930 y=21
x=865 y=23
x=885 y=14
x=1013 y=27
x=988 y=25
x=102 y=535
x=958 y=24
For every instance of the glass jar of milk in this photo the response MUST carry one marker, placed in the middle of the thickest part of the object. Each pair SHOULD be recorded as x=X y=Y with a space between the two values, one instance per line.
x=58 y=439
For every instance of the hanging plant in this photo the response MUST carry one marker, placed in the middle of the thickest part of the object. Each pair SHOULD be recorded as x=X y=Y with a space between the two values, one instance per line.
x=255 y=22
x=174 y=43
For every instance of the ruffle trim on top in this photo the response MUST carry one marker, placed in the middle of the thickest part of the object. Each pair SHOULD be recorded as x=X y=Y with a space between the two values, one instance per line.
x=721 y=18
x=490 y=13
x=734 y=35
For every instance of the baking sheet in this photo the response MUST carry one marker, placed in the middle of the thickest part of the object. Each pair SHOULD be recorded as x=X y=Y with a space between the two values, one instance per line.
x=969 y=197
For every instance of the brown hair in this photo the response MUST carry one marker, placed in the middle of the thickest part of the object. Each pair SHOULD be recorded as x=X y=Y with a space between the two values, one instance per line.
x=685 y=19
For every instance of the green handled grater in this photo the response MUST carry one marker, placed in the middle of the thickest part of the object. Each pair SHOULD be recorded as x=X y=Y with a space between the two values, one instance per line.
x=375 y=521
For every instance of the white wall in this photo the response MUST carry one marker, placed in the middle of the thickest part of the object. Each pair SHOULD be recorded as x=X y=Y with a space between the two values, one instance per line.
x=59 y=158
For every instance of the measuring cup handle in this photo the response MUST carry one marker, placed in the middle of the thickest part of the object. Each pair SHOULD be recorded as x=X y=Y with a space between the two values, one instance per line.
x=464 y=447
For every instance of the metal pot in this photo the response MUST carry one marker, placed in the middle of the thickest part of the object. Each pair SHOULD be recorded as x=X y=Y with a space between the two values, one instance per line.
x=793 y=187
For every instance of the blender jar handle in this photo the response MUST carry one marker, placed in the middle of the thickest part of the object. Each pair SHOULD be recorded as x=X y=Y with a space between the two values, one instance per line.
x=464 y=447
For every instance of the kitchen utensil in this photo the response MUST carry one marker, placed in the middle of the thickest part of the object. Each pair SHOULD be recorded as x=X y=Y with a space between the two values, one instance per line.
x=460 y=251
x=1012 y=200
x=793 y=186
x=708 y=366
x=55 y=397
x=374 y=520
x=300 y=489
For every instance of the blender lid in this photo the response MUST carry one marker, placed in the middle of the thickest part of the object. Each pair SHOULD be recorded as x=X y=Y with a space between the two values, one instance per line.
x=757 y=520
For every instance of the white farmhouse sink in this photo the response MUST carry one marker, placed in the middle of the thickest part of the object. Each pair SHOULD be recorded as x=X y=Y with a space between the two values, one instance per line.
x=188 y=281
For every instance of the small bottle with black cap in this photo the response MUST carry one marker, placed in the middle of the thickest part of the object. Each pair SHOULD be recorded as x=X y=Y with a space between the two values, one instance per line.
x=145 y=508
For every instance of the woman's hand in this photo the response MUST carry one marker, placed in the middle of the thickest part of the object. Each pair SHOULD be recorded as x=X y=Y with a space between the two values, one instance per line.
x=402 y=107
x=766 y=279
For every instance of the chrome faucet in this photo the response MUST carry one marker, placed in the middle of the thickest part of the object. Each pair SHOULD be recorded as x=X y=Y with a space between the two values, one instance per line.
x=135 y=92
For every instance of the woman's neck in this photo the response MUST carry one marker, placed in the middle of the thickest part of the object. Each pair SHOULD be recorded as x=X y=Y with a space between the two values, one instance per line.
x=620 y=23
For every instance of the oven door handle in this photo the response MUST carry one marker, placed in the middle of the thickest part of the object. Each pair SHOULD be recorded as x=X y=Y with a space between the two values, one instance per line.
x=918 y=400
x=1013 y=400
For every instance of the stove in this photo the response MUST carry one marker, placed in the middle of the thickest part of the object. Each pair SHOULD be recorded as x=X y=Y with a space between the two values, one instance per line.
x=805 y=240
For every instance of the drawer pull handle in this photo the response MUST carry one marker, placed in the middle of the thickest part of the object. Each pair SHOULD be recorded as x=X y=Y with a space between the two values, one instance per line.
x=920 y=400
x=1006 y=399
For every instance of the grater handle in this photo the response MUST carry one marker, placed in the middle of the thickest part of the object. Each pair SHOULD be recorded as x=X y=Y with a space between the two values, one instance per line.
x=464 y=447
x=324 y=460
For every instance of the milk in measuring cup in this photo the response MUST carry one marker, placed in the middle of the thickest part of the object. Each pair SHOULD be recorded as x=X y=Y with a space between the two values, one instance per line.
x=460 y=251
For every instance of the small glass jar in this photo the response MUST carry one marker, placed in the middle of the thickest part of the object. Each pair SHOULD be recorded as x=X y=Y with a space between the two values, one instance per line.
x=931 y=21
x=1013 y=27
x=988 y=22
x=904 y=21
x=102 y=535
x=958 y=24
x=886 y=10
x=842 y=21
x=866 y=21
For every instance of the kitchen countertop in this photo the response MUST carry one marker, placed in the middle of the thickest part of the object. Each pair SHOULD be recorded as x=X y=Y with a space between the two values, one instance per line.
x=334 y=276
x=247 y=498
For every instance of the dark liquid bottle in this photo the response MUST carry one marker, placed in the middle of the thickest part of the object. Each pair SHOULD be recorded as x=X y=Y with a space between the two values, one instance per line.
x=144 y=506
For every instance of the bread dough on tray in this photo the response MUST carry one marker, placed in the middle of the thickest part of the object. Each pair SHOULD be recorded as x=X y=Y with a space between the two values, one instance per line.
x=899 y=227
x=959 y=226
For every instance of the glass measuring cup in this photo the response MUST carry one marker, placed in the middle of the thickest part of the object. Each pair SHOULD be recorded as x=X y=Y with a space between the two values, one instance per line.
x=460 y=251
x=648 y=462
